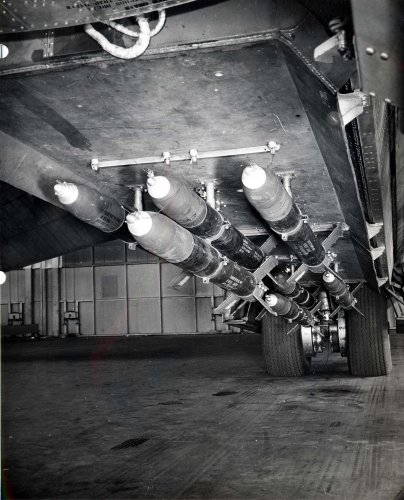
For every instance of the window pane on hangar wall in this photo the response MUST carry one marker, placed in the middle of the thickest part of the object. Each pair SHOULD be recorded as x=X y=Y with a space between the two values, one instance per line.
x=86 y=315
x=76 y=284
x=67 y=284
x=204 y=314
x=110 y=282
x=144 y=305
x=111 y=300
x=144 y=315
x=178 y=315
x=111 y=317
x=143 y=281
x=17 y=286
x=178 y=305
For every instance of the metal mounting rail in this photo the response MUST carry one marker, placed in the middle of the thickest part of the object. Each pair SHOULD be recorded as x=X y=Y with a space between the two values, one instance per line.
x=266 y=267
x=192 y=155
x=335 y=235
x=331 y=239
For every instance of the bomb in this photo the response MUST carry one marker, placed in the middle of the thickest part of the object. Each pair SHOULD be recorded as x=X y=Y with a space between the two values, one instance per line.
x=338 y=289
x=287 y=308
x=179 y=202
x=265 y=191
x=165 y=238
x=93 y=207
x=294 y=291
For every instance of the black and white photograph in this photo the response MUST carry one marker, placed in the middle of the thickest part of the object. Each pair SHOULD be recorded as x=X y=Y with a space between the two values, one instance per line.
x=202 y=249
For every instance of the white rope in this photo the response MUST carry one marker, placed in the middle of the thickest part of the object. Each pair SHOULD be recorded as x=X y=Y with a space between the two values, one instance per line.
x=143 y=35
x=123 y=29
x=134 y=33
x=160 y=23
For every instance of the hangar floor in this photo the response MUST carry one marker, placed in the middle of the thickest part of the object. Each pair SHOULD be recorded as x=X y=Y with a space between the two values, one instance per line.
x=195 y=417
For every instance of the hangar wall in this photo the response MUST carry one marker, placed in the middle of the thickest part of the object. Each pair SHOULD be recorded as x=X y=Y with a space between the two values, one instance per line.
x=108 y=290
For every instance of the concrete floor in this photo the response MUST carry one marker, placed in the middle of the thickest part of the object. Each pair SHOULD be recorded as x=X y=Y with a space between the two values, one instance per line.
x=195 y=417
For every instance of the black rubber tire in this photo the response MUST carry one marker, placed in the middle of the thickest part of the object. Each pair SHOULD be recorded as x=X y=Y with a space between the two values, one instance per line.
x=368 y=336
x=283 y=353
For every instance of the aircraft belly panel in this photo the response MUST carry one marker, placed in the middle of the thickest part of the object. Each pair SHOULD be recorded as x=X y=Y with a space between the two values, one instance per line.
x=48 y=15
x=221 y=99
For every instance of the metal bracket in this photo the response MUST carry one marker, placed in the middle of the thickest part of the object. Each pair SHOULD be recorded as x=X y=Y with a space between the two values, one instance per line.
x=94 y=164
x=269 y=244
x=138 y=199
x=339 y=308
x=209 y=191
x=193 y=156
x=316 y=307
x=374 y=229
x=331 y=239
x=273 y=147
x=227 y=304
x=298 y=274
x=335 y=235
x=351 y=105
x=324 y=52
x=265 y=268
x=381 y=281
x=179 y=280
x=261 y=314
x=377 y=252
x=287 y=176
x=49 y=44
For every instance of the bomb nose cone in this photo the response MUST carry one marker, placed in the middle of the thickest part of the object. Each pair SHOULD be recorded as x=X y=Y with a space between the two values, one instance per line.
x=271 y=300
x=158 y=187
x=253 y=177
x=131 y=218
x=139 y=223
x=67 y=192
x=328 y=277
x=59 y=189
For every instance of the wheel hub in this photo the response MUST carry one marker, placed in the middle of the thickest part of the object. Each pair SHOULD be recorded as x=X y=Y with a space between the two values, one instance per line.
x=335 y=332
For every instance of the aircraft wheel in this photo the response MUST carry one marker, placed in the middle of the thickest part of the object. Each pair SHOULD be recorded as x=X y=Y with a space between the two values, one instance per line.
x=283 y=353
x=368 y=336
